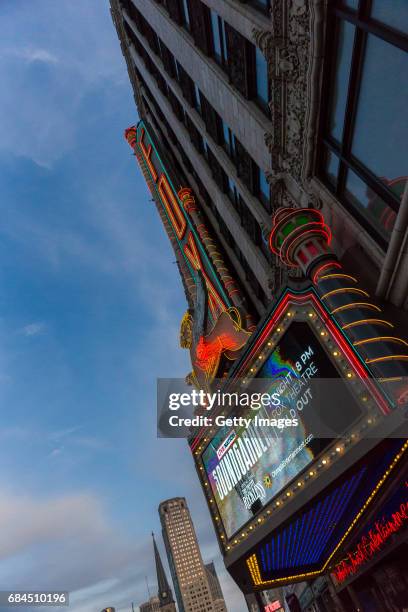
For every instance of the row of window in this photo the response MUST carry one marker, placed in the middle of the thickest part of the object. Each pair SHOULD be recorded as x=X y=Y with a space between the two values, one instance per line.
x=242 y=61
x=247 y=220
x=363 y=127
x=232 y=51
x=183 y=7
x=249 y=172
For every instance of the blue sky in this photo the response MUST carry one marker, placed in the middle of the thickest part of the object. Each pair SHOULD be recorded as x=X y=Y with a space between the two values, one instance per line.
x=90 y=305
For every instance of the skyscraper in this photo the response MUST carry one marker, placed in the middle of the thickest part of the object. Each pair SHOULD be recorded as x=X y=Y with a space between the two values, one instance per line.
x=215 y=588
x=188 y=570
x=165 y=596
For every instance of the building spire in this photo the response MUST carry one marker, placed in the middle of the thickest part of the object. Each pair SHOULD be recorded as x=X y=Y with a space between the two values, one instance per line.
x=164 y=590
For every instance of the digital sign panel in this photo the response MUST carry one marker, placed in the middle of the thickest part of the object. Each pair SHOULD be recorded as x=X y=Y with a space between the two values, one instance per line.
x=247 y=467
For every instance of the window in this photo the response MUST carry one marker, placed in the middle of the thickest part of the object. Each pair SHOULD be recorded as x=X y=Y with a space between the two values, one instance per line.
x=248 y=221
x=261 y=5
x=262 y=81
x=197 y=99
x=228 y=140
x=219 y=40
x=264 y=193
x=205 y=148
x=176 y=66
x=216 y=35
x=364 y=129
x=232 y=192
x=186 y=15
x=393 y=14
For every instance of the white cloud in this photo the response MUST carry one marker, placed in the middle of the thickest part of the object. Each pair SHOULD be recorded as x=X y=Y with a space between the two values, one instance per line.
x=33 y=329
x=30 y=54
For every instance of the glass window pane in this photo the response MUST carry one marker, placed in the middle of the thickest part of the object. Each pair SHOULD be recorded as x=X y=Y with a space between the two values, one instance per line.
x=353 y=4
x=261 y=77
x=205 y=148
x=332 y=167
x=370 y=205
x=186 y=14
x=393 y=13
x=341 y=78
x=381 y=131
x=232 y=145
x=264 y=4
x=225 y=133
x=216 y=34
x=232 y=191
x=263 y=185
x=224 y=40
x=197 y=98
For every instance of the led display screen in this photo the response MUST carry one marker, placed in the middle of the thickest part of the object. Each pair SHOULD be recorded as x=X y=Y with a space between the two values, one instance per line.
x=248 y=466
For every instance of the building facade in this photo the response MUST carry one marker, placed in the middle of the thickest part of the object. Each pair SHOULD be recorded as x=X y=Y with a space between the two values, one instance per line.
x=264 y=123
x=188 y=570
x=236 y=95
x=153 y=605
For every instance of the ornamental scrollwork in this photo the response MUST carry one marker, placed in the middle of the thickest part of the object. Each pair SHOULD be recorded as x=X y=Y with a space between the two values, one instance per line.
x=287 y=48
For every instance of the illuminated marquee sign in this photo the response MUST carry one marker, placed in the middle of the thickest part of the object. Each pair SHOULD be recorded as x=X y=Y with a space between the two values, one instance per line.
x=301 y=337
x=183 y=229
x=248 y=468
x=305 y=545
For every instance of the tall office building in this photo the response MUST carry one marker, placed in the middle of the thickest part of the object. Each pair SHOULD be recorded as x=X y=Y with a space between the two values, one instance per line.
x=269 y=146
x=215 y=588
x=189 y=575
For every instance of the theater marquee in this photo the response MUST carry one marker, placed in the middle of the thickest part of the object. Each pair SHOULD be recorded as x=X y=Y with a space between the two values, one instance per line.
x=252 y=498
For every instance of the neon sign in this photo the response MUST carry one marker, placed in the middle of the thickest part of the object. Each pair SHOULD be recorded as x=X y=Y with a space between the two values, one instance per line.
x=274 y=606
x=372 y=541
x=184 y=232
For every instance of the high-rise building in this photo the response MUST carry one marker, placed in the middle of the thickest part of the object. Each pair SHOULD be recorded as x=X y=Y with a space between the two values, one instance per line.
x=277 y=166
x=164 y=593
x=215 y=588
x=153 y=605
x=188 y=571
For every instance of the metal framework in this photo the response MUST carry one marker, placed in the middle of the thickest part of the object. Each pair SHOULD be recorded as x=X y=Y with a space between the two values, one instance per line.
x=365 y=25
